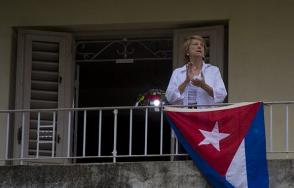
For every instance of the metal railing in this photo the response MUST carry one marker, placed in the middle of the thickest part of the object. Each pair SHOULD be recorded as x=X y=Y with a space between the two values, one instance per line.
x=64 y=134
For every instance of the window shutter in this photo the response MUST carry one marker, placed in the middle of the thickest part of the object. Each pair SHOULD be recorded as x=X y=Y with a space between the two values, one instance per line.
x=44 y=81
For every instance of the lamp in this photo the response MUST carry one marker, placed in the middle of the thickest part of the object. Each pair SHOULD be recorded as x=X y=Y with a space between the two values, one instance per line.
x=153 y=97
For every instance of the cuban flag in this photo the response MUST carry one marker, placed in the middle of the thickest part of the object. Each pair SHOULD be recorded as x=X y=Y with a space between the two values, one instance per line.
x=227 y=144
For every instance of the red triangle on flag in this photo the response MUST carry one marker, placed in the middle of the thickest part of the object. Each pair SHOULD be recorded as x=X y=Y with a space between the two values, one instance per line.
x=233 y=124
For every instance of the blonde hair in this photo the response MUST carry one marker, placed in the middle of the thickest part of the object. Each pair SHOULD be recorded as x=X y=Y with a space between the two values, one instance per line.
x=187 y=45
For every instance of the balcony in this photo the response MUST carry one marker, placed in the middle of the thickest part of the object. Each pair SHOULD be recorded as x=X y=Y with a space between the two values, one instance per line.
x=119 y=147
x=117 y=134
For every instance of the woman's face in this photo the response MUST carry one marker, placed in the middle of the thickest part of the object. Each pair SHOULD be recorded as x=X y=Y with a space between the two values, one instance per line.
x=196 y=48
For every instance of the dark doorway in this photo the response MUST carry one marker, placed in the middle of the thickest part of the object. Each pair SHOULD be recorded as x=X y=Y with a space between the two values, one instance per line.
x=121 y=71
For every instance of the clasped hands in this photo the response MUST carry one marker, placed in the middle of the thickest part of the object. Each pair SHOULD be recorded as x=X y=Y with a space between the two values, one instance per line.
x=190 y=77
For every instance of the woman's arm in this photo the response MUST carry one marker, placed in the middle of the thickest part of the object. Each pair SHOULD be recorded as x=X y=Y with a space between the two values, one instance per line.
x=219 y=91
x=175 y=89
x=183 y=86
x=215 y=88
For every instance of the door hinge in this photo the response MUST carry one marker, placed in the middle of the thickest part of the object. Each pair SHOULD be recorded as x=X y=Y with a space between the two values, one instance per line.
x=60 y=79
x=58 y=138
x=19 y=135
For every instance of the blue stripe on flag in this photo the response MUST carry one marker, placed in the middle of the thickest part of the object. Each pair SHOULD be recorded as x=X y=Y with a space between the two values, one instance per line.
x=256 y=163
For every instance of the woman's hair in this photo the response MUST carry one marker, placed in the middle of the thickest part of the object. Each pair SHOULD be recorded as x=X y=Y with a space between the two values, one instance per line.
x=187 y=44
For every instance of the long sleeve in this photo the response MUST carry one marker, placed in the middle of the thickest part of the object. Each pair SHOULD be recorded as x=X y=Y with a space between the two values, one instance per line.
x=173 y=95
x=219 y=89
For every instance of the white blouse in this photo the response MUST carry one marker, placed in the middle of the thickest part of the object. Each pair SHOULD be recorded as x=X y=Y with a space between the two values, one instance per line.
x=212 y=77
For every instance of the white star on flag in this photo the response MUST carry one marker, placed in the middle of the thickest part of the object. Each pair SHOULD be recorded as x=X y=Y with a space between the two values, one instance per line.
x=213 y=137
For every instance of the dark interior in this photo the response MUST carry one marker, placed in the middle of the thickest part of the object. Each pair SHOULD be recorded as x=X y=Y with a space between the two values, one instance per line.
x=114 y=84
x=119 y=84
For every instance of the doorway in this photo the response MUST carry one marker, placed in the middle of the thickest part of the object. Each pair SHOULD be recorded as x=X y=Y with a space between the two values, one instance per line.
x=115 y=72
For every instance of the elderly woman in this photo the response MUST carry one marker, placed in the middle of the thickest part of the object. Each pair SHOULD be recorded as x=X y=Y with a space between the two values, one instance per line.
x=195 y=83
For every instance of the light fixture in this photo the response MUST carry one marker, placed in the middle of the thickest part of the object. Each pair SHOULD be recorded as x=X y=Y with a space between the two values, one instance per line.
x=156 y=102
x=153 y=97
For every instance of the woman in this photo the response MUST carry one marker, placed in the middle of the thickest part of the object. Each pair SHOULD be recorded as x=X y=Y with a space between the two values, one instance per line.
x=196 y=83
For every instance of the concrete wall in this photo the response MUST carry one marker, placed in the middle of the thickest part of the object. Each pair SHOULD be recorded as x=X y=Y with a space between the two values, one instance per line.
x=260 y=36
x=177 y=174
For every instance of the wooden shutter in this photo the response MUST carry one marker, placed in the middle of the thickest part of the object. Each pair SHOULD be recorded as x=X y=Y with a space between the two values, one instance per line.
x=44 y=81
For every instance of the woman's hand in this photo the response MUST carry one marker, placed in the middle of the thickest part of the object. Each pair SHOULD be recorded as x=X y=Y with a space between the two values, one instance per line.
x=198 y=82
x=189 y=71
x=201 y=83
x=189 y=76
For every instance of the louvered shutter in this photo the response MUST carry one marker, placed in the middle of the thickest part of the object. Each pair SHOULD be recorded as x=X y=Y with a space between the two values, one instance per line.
x=44 y=81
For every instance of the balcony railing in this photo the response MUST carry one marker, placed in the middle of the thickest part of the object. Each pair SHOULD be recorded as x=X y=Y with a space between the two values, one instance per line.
x=114 y=134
